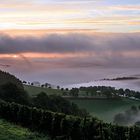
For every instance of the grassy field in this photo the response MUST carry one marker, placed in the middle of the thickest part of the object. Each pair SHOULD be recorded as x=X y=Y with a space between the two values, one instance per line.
x=33 y=91
x=105 y=109
x=9 y=131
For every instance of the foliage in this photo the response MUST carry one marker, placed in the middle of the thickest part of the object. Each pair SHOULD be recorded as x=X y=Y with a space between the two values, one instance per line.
x=74 y=92
x=58 y=125
x=103 y=92
x=65 y=127
x=12 y=93
x=11 y=89
x=57 y=104
x=5 y=77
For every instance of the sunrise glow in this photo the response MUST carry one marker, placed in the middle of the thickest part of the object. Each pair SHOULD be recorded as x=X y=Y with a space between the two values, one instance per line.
x=76 y=37
x=103 y=16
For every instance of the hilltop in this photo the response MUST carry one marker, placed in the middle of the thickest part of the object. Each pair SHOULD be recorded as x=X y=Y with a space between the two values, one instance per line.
x=6 y=77
x=33 y=90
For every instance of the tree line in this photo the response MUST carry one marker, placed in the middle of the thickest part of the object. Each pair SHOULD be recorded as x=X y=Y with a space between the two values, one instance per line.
x=102 y=91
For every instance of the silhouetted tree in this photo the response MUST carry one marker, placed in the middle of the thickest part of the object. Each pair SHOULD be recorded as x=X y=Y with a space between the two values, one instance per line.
x=12 y=93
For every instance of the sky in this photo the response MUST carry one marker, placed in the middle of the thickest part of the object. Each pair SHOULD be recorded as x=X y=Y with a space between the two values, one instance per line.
x=69 y=41
x=100 y=15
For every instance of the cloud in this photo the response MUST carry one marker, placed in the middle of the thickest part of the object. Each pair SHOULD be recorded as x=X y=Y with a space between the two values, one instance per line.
x=49 y=44
x=70 y=57
x=71 y=43
x=76 y=50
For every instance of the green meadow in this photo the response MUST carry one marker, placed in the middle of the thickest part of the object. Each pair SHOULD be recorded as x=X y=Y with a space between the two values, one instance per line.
x=33 y=91
x=105 y=109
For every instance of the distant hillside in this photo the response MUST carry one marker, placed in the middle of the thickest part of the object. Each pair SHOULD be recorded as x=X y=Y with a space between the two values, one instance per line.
x=9 y=131
x=33 y=91
x=5 y=77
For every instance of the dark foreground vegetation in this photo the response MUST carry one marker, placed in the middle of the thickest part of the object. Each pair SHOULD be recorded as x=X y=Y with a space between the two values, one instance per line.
x=13 y=91
x=61 y=126
x=9 y=131
x=56 y=103
x=5 y=77
x=19 y=108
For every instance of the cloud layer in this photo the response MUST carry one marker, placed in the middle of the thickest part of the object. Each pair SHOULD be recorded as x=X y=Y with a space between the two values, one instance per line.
x=58 y=43
x=96 y=48
x=71 y=57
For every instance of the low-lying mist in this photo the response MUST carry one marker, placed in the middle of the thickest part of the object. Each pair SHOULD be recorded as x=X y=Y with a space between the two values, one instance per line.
x=129 y=117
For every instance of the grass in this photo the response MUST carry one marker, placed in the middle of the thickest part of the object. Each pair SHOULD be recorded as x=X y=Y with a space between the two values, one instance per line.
x=9 y=131
x=105 y=109
x=33 y=91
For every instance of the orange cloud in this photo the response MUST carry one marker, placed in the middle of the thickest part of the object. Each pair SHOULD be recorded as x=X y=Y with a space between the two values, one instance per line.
x=40 y=33
x=134 y=23
x=47 y=55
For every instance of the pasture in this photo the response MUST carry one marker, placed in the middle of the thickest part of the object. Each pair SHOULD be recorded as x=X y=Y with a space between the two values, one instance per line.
x=33 y=91
x=105 y=109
